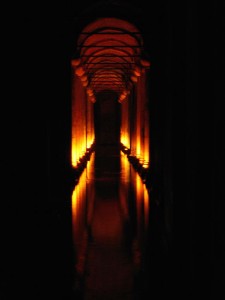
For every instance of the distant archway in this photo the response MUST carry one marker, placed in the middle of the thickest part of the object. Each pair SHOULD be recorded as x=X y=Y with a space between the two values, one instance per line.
x=109 y=59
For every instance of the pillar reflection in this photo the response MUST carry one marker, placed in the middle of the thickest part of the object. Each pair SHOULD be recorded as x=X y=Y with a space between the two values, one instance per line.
x=82 y=202
x=110 y=227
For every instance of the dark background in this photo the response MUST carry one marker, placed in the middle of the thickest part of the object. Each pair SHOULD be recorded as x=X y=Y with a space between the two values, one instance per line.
x=184 y=42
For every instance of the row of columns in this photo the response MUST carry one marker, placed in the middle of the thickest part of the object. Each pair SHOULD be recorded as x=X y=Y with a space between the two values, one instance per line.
x=82 y=121
x=135 y=127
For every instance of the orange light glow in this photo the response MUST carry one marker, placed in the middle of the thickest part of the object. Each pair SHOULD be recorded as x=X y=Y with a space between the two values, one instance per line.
x=138 y=147
x=75 y=62
x=125 y=124
x=79 y=71
x=137 y=71
x=124 y=184
x=145 y=164
x=90 y=188
x=111 y=66
x=145 y=63
x=79 y=221
x=85 y=83
x=139 y=204
x=107 y=47
x=92 y=99
x=111 y=58
x=83 y=78
x=125 y=139
x=142 y=202
x=82 y=122
x=146 y=206
x=122 y=97
x=90 y=93
x=82 y=213
x=78 y=200
x=134 y=78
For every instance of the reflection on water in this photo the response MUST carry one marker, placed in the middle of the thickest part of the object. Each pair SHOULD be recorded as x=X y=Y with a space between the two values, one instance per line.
x=110 y=211
x=82 y=210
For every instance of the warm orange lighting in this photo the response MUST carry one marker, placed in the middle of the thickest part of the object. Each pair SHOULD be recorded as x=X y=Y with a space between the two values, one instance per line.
x=111 y=59
x=107 y=47
x=145 y=63
x=82 y=122
x=79 y=221
x=76 y=62
x=134 y=78
x=124 y=139
x=85 y=83
x=89 y=91
x=90 y=188
x=124 y=184
x=145 y=164
x=138 y=147
x=137 y=71
x=125 y=123
x=146 y=206
x=78 y=200
x=92 y=99
x=80 y=71
x=122 y=97
x=142 y=203
x=83 y=78
x=139 y=202
x=139 y=186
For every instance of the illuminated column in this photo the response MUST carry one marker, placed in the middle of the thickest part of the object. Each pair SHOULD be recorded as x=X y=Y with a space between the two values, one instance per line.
x=78 y=121
x=79 y=99
x=82 y=113
x=140 y=113
x=146 y=124
x=133 y=125
x=125 y=123
x=90 y=123
x=139 y=119
x=135 y=114
x=145 y=139
x=145 y=112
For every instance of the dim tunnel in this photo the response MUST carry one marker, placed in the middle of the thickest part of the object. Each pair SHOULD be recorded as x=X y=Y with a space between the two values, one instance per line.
x=111 y=165
x=112 y=138
x=110 y=64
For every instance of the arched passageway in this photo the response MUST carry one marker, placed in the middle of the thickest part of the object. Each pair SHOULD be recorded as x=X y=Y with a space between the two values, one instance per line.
x=110 y=156
x=110 y=63
x=185 y=97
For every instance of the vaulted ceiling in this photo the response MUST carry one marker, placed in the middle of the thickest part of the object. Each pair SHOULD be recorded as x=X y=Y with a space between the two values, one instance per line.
x=109 y=52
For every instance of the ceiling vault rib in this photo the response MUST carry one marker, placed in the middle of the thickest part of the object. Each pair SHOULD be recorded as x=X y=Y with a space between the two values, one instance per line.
x=109 y=53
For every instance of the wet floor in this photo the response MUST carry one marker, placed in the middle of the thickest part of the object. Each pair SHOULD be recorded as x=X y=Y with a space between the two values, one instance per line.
x=110 y=208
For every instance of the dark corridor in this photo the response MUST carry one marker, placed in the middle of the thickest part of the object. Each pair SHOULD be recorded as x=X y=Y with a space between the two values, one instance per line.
x=113 y=234
x=107 y=119
x=183 y=117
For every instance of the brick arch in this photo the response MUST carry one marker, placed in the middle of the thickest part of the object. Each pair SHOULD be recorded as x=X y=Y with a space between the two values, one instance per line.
x=108 y=56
